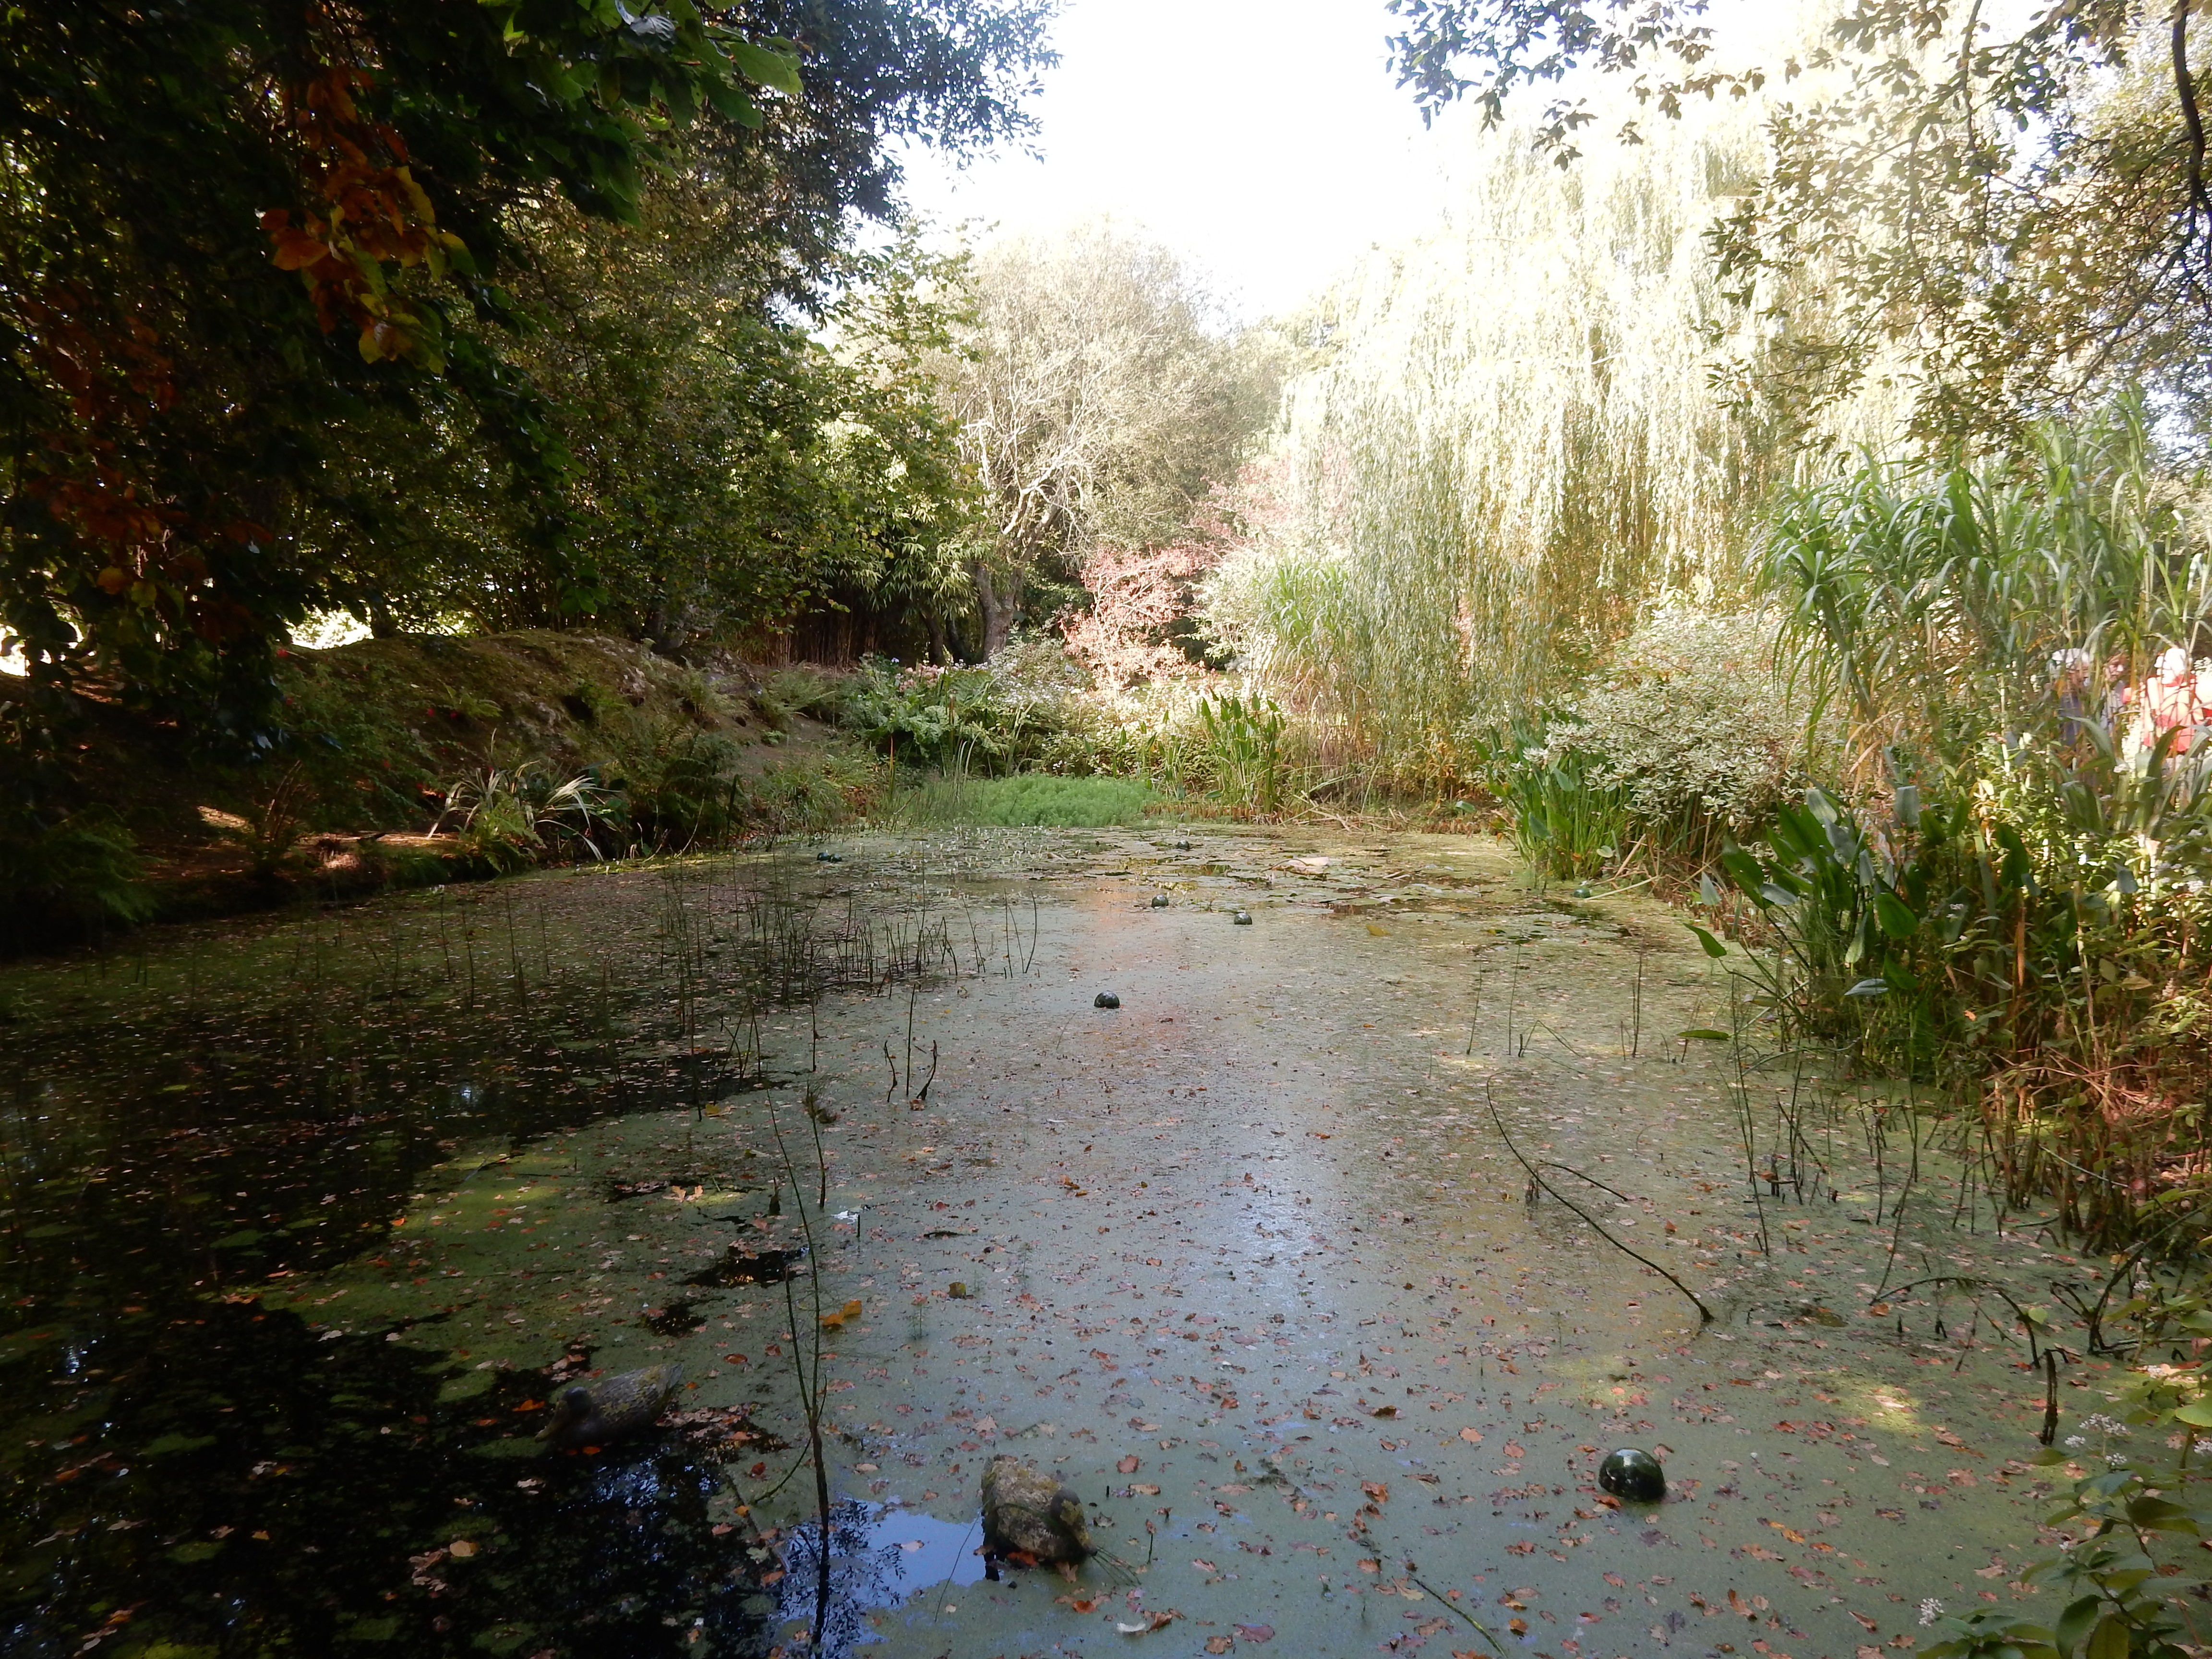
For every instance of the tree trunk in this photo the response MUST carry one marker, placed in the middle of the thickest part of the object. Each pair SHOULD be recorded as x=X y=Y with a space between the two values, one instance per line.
x=997 y=613
x=382 y=624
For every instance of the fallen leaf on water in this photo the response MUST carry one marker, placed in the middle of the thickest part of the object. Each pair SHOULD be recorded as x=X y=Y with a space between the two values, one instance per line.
x=1379 y=933
x=1616 y=1581
x=1218 y=1644
x=1376 y=1490
x=1370 y=1566
x=461 y=1548
x=1473 y=1437
x=1080 y=1603
x=1204 y=1566
x=836 y=1321
x=1868 y=1623
x=1256 y=1633
x=1127 y=1465
x=1143 y=1490
x=735 y=1359
x=1153 y=1621
x=1518 y=1626
x=1384 y=1411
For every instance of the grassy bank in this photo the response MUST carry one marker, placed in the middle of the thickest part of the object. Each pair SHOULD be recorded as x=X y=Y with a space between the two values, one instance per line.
x=420 y=759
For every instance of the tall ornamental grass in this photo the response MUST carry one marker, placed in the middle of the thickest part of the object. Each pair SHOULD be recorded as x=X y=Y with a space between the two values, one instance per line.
x=1512 y=442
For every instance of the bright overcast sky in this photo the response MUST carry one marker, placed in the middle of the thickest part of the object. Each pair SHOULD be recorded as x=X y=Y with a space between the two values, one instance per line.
x=1262 y=139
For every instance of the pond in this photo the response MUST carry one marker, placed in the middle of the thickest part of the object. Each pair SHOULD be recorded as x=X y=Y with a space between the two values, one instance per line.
x=308 y=1218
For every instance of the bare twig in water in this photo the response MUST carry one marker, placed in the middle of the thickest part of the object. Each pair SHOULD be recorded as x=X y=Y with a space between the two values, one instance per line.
x=1479 y=1628
x=1705 y=1314
x=1551 y=1163
x=922 y=1095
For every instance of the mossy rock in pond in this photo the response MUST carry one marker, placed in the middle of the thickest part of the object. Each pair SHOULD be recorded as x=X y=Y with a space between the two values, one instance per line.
x=1106 y=999
x=1633 y=1473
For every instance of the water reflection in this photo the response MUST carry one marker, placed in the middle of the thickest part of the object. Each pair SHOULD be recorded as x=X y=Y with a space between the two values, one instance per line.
x=879 y=1557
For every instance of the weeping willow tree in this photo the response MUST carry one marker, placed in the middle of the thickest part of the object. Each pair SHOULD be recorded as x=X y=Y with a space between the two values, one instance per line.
x=1513 y=438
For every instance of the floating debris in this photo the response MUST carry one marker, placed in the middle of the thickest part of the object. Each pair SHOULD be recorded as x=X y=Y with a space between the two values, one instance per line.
x=1241 y=918
x=958 y=1291
x=676 y=1319
x=1159 y=900
x=1106 y=999
x=742 y=1266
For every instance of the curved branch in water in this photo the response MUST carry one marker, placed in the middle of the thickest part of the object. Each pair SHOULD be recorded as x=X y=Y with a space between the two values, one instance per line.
x=1705 y=1314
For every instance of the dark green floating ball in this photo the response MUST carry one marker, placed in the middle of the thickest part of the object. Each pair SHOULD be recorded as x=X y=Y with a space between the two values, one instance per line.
x=1106 y=999
x=1159 y=900
x=1583 y=892
x=1633 y=1473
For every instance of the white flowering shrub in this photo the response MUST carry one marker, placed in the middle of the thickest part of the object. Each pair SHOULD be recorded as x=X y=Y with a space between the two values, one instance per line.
x=1693 y=719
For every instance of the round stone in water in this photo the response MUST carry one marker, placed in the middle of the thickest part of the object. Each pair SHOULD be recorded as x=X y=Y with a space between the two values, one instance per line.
x=1633 y=1473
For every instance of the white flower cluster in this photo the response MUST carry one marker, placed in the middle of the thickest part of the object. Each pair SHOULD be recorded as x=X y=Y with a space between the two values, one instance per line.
x=1692 y=717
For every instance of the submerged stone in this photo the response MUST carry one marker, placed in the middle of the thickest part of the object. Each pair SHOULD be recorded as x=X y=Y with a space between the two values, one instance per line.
x=1106 y=999
x=1633 y=1473
x=1025 y=1508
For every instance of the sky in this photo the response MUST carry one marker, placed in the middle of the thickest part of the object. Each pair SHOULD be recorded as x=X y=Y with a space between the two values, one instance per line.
x=1263 y=140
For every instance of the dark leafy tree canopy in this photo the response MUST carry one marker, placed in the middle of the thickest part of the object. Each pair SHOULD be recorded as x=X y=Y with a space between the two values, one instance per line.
x=265 y=266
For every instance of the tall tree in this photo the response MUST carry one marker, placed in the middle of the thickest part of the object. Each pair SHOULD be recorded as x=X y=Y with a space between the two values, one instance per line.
x=2008 y=215
x=1099 y=395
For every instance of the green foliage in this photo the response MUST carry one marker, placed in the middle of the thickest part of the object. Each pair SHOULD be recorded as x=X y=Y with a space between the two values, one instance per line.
x=1693 y=720
x=1568 y=822
x=62 y=877
x=1242 y=756
x=361 y=763
x=311 y=310
x=1029 y=799
x=1017 y=710
x=508 y=818
x=687 y=789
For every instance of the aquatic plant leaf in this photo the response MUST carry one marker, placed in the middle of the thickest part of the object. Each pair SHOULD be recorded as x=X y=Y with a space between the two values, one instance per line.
x=1712 y=946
